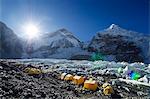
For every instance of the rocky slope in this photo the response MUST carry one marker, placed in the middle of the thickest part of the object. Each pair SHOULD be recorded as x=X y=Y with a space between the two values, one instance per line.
x=15 y=83
x=121 y=44
x=10 y=44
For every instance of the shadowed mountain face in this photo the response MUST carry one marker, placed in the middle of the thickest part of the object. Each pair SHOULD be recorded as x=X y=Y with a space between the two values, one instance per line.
x=115 y=45
x=10 y=45
x=122 y=44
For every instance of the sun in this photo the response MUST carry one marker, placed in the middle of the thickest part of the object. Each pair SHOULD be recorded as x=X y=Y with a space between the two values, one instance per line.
x=31 y=30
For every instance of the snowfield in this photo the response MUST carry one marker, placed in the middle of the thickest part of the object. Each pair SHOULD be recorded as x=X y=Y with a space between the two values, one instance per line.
x=88 y=67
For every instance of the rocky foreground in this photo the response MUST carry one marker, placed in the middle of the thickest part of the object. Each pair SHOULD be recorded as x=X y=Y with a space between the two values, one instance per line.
x=15 y=83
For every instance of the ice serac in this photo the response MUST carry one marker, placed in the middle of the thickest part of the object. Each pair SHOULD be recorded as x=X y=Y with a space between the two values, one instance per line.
x=10 y=44
x=59 y=44
x=121 y=44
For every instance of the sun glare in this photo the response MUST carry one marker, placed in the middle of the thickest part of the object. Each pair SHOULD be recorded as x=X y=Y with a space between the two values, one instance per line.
x=31 y=31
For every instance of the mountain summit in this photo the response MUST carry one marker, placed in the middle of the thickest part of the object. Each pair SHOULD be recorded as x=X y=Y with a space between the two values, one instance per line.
x=113 y=26
x=51 y=43
x=64 y=31
x=121 y=44
x=60 y=38
x=115 y=30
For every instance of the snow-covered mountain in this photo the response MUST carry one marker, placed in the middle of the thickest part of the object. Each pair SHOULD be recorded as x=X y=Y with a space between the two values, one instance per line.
x=10 y=44
x=62 y=38
x=115 y=43
x=121 y=44
x=59 y=44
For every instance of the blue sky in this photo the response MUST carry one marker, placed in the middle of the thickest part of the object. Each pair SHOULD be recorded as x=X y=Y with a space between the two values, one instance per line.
x=82 y=17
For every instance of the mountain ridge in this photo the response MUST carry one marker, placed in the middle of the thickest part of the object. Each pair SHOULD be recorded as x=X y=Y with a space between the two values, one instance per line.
x=10 y=44
x=112 y=41
x=114 y=38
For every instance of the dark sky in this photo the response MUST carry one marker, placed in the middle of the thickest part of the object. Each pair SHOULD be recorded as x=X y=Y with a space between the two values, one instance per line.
x=82 y=17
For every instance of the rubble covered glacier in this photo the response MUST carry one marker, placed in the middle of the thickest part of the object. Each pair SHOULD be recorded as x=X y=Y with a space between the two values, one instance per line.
x=14 y=83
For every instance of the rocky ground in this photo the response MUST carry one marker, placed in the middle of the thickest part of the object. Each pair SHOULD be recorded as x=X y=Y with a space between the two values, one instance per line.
x=14 y=83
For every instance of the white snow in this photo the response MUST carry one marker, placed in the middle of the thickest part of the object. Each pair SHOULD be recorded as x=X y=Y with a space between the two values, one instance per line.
x=113 y=26
x=134 y=82
x=144 y=79
x=125 y=71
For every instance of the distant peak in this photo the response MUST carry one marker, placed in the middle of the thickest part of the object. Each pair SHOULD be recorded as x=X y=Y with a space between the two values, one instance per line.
x=113 y=26
x=63 y=30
